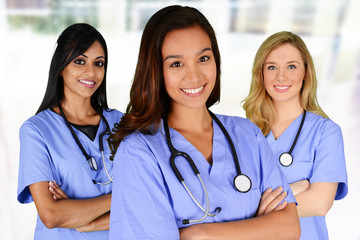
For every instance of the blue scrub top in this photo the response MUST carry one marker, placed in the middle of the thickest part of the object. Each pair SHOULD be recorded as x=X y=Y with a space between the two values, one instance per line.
x=318 y=157
x=48 y=152
x=148 y=202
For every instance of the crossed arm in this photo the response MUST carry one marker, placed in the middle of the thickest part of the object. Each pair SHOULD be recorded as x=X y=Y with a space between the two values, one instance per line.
x=56 y=210
x=271 y=220
x=314 y=199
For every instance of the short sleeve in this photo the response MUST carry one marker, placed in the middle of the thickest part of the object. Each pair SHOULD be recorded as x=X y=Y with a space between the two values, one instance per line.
x=329 y=163
x=140 y=206
x=34 y=163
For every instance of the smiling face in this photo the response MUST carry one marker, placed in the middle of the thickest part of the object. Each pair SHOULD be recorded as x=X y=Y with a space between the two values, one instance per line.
x=84 y=75
x=189 y=67
x=284 y=72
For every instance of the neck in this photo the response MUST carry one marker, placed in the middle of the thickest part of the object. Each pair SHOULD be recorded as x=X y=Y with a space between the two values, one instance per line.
x=194 y=120
x=79 y=111
x=285 y=114
x=286 y=111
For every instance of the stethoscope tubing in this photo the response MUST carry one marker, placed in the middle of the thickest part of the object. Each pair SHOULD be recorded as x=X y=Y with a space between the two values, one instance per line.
x=91 y=161
x=245 y=182
x=286 y=159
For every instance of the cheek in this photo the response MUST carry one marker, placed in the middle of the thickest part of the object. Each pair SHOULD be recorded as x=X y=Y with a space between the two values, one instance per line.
x=267 y=82
x=168 y=81
x=100 y=74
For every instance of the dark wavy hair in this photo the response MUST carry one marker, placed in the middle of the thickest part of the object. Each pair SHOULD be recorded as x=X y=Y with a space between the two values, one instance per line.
x=149 y=101
x=72 y=42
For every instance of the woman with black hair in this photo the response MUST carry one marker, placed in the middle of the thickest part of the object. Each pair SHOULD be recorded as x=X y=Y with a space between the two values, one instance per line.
x=64 y=161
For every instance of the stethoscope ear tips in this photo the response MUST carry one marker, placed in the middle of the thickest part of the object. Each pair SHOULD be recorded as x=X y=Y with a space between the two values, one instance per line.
x=242 y=183
x=218 y=210
x=286 y=159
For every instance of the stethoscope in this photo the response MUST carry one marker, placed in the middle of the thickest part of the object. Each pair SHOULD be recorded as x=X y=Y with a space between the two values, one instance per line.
x=242 y=183
x=91 y=160
x=286 y=159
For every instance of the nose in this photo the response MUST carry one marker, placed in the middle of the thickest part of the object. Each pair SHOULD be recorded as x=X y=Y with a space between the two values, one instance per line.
x=282 y=75
x=90 y=71
x=192 y=73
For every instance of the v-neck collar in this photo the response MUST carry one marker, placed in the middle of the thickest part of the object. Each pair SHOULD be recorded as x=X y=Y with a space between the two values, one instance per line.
x=100 y=125
x=219 y=154
x=270 y=137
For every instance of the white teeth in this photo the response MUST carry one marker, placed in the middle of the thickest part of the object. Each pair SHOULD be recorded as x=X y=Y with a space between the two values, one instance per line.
x=192 y=90
x=281 y=88
x=87 y=82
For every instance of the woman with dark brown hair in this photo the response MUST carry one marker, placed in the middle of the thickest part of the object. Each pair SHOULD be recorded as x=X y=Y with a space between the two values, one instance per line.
x=177 y=164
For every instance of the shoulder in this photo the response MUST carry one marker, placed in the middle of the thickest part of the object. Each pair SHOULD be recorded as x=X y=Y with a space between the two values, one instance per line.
x=38 y=121
x=112 y=113
x=138 y=144
x=320 y=124
x=239 y=124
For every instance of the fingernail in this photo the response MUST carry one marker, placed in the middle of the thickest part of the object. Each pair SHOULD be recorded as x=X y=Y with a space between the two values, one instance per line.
x=268 y=190
x=284 y=202
x=279 y=189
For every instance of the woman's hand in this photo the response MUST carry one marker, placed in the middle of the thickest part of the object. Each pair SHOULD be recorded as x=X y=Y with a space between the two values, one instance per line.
x=270 y=201
x=300 y=186
x=56 y=191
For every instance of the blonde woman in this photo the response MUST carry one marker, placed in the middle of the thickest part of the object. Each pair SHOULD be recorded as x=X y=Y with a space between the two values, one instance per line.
x=282 y=103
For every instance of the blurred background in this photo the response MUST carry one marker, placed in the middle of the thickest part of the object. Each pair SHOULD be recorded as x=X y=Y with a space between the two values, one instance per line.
x=29 y=29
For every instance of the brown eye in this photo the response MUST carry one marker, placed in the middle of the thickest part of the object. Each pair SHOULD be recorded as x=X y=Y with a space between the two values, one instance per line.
x=204 y=59
x=79 y=62
x=176 y=64
x=99 y=64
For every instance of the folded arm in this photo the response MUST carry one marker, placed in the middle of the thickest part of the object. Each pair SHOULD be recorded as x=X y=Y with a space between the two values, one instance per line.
x=59 y=211
x=268 y=226
x=314 y=199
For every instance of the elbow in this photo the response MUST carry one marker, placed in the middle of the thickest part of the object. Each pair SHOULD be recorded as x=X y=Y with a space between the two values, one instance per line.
x=49 y=219
x=323 y=210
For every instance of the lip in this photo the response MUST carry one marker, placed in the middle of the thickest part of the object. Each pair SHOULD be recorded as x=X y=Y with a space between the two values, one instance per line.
x=87 y=83
x=282 y=88
x=193 y=92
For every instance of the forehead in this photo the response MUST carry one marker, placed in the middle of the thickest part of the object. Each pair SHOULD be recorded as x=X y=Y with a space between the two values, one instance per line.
x=285 y=52
x=189 y=38
x=95 y=49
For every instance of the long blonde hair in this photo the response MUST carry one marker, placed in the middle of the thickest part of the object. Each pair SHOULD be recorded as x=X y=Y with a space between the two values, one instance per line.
x=258 y=105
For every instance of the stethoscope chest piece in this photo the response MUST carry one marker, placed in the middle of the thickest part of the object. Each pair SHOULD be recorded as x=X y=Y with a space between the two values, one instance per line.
x=92 y=163
x=286 y=159
x=242 y=183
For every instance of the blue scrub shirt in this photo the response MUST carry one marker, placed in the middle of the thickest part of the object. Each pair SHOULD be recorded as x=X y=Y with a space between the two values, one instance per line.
x=148 y=202
x=318 y=157
x=48 y=152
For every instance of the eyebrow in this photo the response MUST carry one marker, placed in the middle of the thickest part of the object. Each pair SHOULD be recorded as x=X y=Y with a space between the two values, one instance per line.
x=293 y=61
x=197 y=54
x=88 y=57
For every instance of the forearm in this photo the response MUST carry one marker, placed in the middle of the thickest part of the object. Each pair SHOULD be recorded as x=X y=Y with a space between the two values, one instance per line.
x=67 y=213
x=316 y=201
x=99 y=224
x=72 y=213
x=283 y=224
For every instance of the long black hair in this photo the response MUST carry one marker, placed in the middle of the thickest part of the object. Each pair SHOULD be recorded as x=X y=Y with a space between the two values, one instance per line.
x=72 y=42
